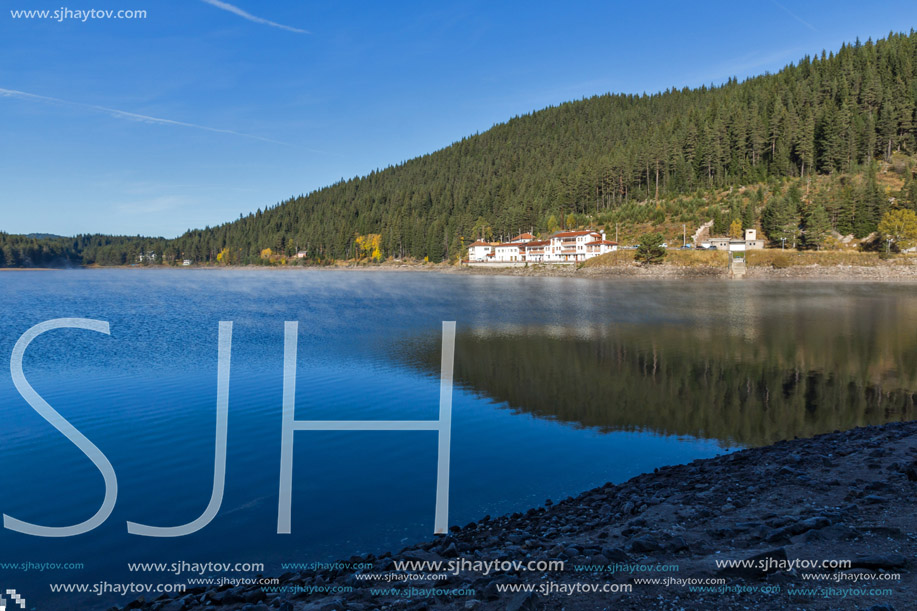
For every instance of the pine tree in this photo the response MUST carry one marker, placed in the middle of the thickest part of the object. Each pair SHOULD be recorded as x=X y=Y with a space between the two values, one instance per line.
x=817 y=228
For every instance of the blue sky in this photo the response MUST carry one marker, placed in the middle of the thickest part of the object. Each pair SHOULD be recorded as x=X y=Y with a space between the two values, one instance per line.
x=206 y=109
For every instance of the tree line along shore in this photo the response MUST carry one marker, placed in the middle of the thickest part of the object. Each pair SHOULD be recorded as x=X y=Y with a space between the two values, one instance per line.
x=677 y=264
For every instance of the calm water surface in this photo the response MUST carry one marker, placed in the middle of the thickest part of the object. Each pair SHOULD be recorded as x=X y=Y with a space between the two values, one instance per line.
x=562 y=385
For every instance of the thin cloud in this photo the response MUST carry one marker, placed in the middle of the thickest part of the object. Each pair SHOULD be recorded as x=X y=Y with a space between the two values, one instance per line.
x=787 y=11
x=246 y=15
x=132 y=116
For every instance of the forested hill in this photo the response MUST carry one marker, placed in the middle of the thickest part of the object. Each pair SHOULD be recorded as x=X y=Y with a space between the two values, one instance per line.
x=46 y=250
x=610 y=159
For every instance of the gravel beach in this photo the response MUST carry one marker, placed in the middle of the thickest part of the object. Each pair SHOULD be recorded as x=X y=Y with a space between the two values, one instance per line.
x=845 y=499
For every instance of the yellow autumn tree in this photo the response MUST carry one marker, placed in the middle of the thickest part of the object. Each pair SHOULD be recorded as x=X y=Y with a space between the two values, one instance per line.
x=224 y=257
x=735 y=229
x=369 y=245
x=266 y=253
x=376 y=243
x=900 y=227
x=553 y=225
x=359 y=242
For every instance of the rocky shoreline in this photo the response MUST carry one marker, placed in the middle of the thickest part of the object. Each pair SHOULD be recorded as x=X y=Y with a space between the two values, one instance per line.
x=875 y=273
x=882 y=271
x=849 y=496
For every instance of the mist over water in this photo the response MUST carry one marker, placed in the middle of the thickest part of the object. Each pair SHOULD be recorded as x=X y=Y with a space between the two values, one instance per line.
x=562 y=385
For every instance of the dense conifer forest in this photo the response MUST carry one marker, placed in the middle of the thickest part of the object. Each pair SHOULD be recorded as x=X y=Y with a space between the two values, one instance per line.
x=805 y=148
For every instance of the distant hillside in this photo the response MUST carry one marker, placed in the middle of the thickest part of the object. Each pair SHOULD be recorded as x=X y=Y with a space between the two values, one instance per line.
x=46 y=250
x=627 y=160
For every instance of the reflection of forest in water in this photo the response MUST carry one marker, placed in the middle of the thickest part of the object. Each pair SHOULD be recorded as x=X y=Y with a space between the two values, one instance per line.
x=750 y=380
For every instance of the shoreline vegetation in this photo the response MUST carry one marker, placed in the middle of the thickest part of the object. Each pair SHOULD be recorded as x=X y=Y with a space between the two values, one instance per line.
x=838 y=496
x=678 y=264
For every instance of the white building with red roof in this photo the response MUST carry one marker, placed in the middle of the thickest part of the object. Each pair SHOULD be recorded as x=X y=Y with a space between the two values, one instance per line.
x=510 y=252
x=600 y=247
x=577 y=246
x=535 y=250
x=561 y=247
x=481 y=251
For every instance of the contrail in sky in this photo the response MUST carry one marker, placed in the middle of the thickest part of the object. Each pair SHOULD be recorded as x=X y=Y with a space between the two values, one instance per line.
x=123 y=114
x=245 y=15
x=786 y=10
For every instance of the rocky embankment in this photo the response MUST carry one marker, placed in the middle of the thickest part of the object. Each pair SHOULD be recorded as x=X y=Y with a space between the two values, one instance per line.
x=841 y=496
x=631 y=270
x=881 y=272
x=834 y=273
x=876 y=273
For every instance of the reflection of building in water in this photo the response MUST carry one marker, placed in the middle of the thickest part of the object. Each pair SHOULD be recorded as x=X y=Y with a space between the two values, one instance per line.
x=742 y=312
x=578 y=331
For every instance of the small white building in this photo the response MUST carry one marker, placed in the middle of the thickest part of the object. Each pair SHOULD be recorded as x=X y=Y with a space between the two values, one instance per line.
x=600 y=247
x=480 y=251
x=523 y=237
x=751 y=242
x=510 y=252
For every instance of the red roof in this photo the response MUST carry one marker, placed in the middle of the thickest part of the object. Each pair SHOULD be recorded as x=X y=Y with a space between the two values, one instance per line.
x=480 y=243
x=523 y=236
x=571 y=234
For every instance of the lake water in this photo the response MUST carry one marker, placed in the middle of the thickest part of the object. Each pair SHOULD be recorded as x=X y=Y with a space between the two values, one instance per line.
x=561 y=385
